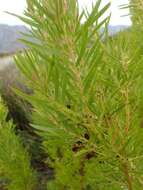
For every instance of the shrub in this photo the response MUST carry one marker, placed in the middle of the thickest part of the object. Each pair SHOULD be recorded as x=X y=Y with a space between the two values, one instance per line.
x=19 y=111
x=88 y=97
x=15 y=170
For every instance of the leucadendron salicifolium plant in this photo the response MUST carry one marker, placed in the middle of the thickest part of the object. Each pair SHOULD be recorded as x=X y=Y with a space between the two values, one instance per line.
x=88 y=96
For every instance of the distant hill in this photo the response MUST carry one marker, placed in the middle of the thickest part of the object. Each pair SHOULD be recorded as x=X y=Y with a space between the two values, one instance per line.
x=115 y=29
x=9 y=36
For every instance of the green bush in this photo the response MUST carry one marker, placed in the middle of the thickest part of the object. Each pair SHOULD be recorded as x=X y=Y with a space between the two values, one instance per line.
x=19 y=111
x=88 y=96
x=15 y=170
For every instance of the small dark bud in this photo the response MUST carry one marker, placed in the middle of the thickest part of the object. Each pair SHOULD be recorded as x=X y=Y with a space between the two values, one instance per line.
x=90 y=155
x=86 y=136
x=79 y=142
x=101 y=162
x=69 y=106
x=75 y=148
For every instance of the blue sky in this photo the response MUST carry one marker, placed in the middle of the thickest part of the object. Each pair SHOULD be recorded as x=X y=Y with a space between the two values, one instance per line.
x=17 y=6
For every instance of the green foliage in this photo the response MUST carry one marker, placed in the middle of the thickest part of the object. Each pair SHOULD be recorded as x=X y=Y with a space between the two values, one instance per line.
x=15 y=167
x=136 y=14
x=88 y=97
x=136 y=9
